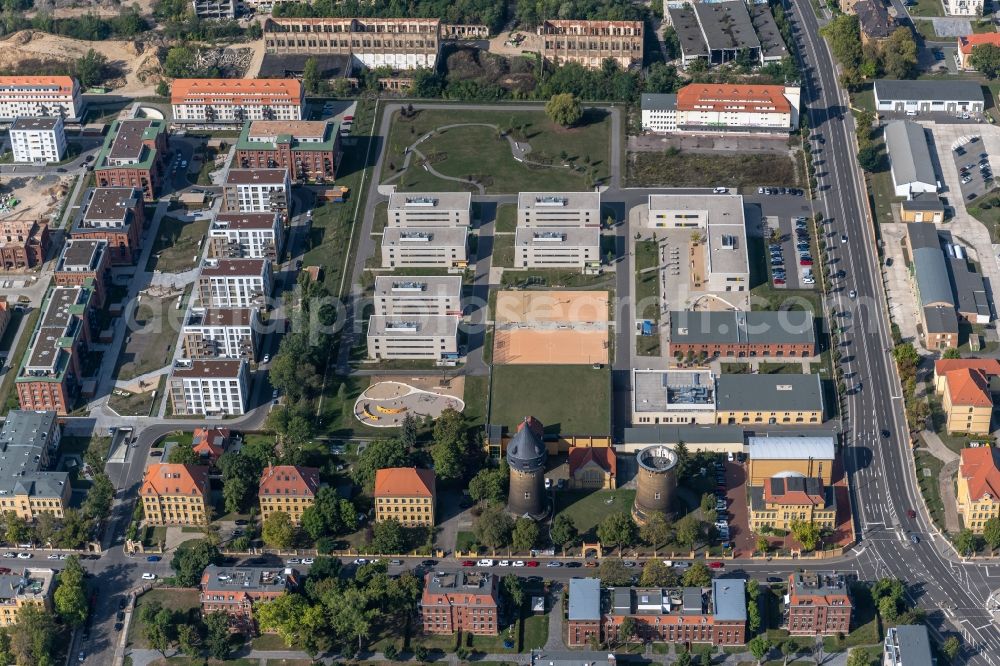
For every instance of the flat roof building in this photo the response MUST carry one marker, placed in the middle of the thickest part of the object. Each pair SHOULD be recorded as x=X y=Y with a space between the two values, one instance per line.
x=425 y=247
x=38 y=140
x=937 y=96
x=673 y=397
x=213 y=387
x=256 y=191
x=234 y=283
x=22 y=588
x=819 y=604
x=246 y=235
x=418 y=295
x=309 y=149
x=133 y=155
x=583 y=619
x=907 y=645
x=236 y=590
x=426 y=337
x=84 y=261
x=771 y=399
x=461 y=601
x=557 y=247
x=115 y=214
x=742 y=334
x=222 y=333
x=777 y=455
x=710 y=438
x=410 y=210
x=559 y=209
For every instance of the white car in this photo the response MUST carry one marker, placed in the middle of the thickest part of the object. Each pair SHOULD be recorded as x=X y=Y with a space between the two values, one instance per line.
x=360 y=561
x=149 y=576
x=308 y=560
x=293 y=560
x=24 y=556
x=53 y=556
x=9 y=555
x=518 y=563
x=853 y=294
x=485 y=563
x=504 y=563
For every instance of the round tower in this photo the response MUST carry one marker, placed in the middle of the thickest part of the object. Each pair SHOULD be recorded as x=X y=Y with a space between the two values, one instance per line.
x=526 y=456
x=656 y=483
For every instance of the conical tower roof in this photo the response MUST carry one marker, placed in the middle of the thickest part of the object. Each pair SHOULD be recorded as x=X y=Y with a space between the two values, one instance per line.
x=526 y=451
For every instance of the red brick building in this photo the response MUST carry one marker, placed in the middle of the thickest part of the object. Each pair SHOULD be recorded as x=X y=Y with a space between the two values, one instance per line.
x=818 y=604
x=235 y=590
x=461 y=601
x=583 y=617
x=84 y=259
x=308 y=149
x=23 y=243
x=134 y=155
x=114 y=214
x=738 y=334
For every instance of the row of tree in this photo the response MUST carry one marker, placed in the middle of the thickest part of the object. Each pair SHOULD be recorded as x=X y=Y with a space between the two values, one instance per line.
x=895 y=57
x=89 y=27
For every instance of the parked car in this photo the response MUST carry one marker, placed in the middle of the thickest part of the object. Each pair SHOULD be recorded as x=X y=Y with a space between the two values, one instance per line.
x=153 y=558
x=716 y=565
x=531 y=563
x=468 y=563
x=24 y=556
x=359 y=561
x=518 y=563
x=149 y=576
x=774 y=579
x=554 y=563
x=429 y=563
x=485 y=562
x=308 y=560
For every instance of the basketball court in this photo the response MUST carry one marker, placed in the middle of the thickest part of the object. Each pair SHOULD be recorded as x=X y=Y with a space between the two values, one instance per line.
x=551 y=328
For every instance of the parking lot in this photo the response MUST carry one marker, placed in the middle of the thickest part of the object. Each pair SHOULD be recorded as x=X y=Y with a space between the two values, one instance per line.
x=973 y=165
x=791 y=258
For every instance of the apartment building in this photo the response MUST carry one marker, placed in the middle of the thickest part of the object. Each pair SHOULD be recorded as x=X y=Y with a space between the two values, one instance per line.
x=212 y=387
x=818 y=604
x=234 y=283
x=781 y=500
x=219 y=333
x=24 y=242
x=907 y=645
x=721 y=248
x=38 y=140
x=235 y=101
x=590 y=43
x=427 y=247
x=710 y=108
x=175 y=494
x=978 y=494
x=772 y=399
x=428 y=337
x=40 y=96
x=210 y=443
x=215 y=9
x=548 y=210
x=742 y=334
x=308 y=149
x=424 y=295
x=461 y=601
x=289 y=489
x=681 y=615
x=412 y=210
x=24 y=587
x=51 y=373
x=256 y=191
x=236 y=590
x=84 y=260
x=776 y=455
x=399 y=43
x=134 y=155
x=967 y=401
x=114 y=214
x=29 y=441
x=406 y=494
x=963 y=7
x=246 y=236
x=583 y=616
x=557 y=247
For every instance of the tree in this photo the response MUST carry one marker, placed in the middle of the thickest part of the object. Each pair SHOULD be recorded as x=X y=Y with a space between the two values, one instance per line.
x=514 y=590
x=759 y=647
x=697 y=575
x=788 y=648
x=687 y=530
x=377 y=455
x=408 y=431
x=656 y=531
x=278 y=530
x=563 y=531
x=806 y=533
x=612 y=572
x=180 y=62
x=986 y=59
x=707 y=502
x=899 y=54
x=159 y=626
x=183 y=455
x=991 y=533
x=283 y=615
x=965 y=542
x=617 y=528
x=162 y=88
x=189 y=640
x=952 y=352
x=860 y=657
x=888 y=608
x=657 y=574
x=17 y=529
x=683 y=659
x=704 y=652
x=952 y=646
x=753 y=616
x=310 y=76
x=525 y=535
x=70 y=598
x=489 y=485
x=661 y=78
x=564 y=109
x=763 y=545
x=191 y=558
x=450 y=443
x=35 y=638
x=869 y=157
x=493 y=528
x=329 y=515
x=844 y=35
x=388 y=537
x=627 y=629
x=683 y=458
x=240 y=479
x=90 y=68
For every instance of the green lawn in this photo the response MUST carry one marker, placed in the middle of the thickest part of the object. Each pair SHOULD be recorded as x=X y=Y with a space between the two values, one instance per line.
x=987 y=210
x=567 y=399
x=983 y=26
x=647 y=280
x=648 y=345
x=173 y=599
x=536 y=631
x=268 y=642
x=478 y=152
x=926 y=8
x=587 y=508
x=464 y=541
x=381 y=217
x=8 y=396
x=674 y=168
x=177 y=247
x=928 y=481
x=476 y=388
x=503 y=250
x=882 y=195
x=506 y=218
x=556 y=278
x=926 y=30
x=136 y=404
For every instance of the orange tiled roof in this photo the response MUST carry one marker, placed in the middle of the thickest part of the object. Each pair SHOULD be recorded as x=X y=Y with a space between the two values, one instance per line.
x=966 y=43
x=210 y=442
x=263 y=91
x=990 y=366
x=603 y=456
x=289 y=480
x=980 y=467
x=65 y=83
x=969 y=387
x=732 y=97
x=172 y=479
x=404 y=482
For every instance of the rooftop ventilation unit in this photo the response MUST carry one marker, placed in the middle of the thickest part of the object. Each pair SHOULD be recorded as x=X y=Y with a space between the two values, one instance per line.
x=561 y=202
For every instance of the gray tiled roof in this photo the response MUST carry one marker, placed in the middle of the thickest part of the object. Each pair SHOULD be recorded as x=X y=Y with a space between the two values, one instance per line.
x=909 y=154
x=657 y=101
x=938 y=89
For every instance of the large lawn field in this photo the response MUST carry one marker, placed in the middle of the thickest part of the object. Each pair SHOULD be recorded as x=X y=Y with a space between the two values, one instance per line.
x=567 y=158
x=587 y=508
x=567 y=399
x=684 y=169
x=178 y=245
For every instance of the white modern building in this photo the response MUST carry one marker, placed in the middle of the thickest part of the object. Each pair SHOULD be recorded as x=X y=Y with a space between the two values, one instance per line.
x=235 y=101
x=234 y=283
x=430 y=338
x=428 y=247
x=929 y=96
x=222 y=333
x=712 y=108
x=559 y=209
x=40 y=96
x=209 y=387
x=256 y=191
x=38 y=140
x=246 y=235
x=416 y=296
x=410 y=210
x=557 y=247
x=725 y=259
x=909 y=159
x=963 y=7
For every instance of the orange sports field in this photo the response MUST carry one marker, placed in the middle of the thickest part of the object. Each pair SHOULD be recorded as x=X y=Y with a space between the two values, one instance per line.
x=551 y=328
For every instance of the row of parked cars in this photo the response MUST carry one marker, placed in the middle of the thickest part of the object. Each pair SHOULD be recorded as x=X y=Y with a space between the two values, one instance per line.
x=721 y=503
x=793 y=191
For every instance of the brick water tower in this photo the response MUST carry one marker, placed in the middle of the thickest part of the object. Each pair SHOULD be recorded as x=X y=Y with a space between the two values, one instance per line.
x=526 y=456
x=656 y=483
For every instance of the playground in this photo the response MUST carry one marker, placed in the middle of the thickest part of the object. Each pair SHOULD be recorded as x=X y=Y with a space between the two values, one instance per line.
x=386 y=403
x=551 y=328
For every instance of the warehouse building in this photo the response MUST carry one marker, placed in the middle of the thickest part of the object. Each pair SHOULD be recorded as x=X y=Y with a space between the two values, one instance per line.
x=909 y=159
x=938 y=317
x=937 y=96
x=740 y=334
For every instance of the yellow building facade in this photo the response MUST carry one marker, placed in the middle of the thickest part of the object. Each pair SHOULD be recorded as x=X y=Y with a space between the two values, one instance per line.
x=406 y=494
x=783 y=500
x=33 y=587
x=289 y=489
x=175 y=495
x=978 y=493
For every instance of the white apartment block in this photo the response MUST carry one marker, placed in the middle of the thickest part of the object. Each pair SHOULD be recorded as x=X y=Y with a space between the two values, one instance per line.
x=234 y=283
x=418 y=296
x=38 y=140
x=235 y=101
x=557 y=247
x=222 y=333
x=559 y=209
x=428 y=247
x=659 y=112
x=256 y=191
x=713 y=108
x=246 y=235
x=963 y=7
x=429 y=338
x=211 y=388
x=429 y=209
x=40 y=96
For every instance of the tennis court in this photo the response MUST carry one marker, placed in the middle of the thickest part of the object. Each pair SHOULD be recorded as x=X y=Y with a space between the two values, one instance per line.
x=551 y=328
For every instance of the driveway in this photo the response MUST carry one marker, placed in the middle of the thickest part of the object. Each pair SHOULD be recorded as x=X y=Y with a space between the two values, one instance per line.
x=903 y=306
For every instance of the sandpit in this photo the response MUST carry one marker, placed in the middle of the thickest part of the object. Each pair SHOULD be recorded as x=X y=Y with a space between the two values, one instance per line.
x=385 y=404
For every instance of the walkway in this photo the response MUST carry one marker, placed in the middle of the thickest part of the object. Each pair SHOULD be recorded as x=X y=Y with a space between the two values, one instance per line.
x=555 y=641
x=946 y=483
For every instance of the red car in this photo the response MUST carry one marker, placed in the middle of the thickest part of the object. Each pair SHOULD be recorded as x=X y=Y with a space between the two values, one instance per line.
x=531 y=563
x=805 y=262
x=468 y=563
x=716 y=565
x=779 y=281
x=348 y=118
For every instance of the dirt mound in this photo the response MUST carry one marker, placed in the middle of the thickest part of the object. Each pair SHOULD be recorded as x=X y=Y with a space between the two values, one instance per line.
x=470 y=64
